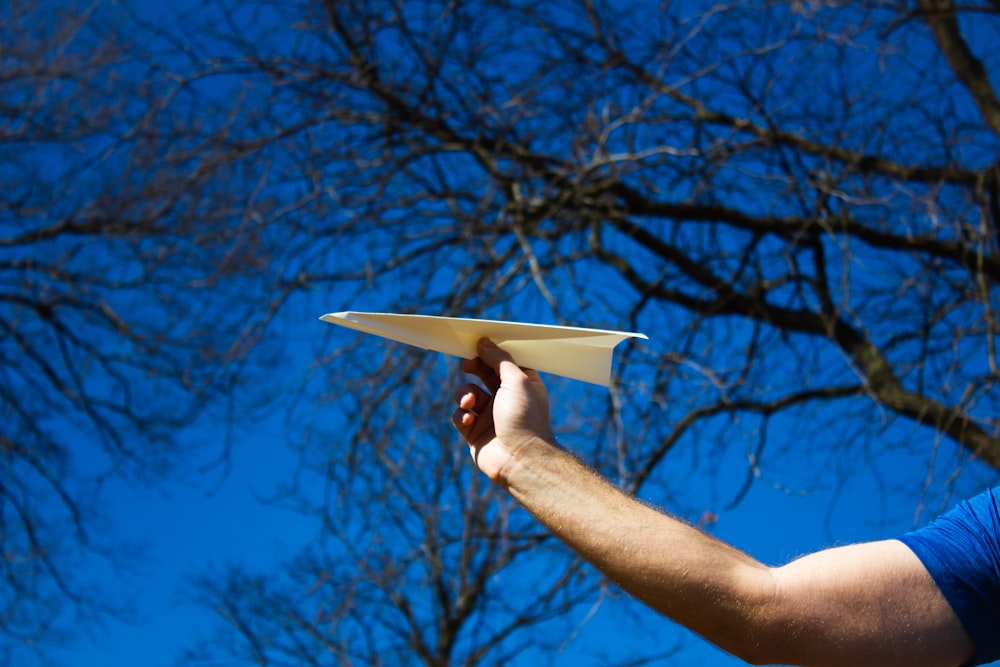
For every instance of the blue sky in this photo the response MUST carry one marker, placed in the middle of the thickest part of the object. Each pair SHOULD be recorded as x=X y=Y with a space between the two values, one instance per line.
x=807 y=496
x=220 y=518
x=186 y=529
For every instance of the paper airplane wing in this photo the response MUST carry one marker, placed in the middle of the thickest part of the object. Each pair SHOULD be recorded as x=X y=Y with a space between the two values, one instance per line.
x=580 y=354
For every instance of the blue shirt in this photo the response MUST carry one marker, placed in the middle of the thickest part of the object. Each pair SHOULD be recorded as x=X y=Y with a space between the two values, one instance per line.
x=961 y=550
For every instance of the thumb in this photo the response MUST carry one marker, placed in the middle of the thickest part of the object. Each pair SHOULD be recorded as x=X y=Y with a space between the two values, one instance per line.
x=499 y=360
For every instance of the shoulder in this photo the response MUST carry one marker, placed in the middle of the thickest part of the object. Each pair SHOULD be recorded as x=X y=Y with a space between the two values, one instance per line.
x=961 y=551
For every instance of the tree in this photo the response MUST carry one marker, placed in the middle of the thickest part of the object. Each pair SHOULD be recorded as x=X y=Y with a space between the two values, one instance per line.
x=801 y=197
x=714 y=184
x=799 y=200
x=117 y=248
x=422 y=562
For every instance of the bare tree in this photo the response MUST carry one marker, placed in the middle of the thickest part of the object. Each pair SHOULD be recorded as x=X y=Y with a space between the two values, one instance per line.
x=118 y=249
x=800 y=198
x=747 y=190
x=787 y=185
x=421 y=562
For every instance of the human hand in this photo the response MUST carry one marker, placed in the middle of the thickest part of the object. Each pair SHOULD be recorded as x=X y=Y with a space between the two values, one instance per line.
x=502 y=421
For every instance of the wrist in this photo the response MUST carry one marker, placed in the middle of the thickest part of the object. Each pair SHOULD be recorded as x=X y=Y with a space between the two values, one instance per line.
x=528 y=462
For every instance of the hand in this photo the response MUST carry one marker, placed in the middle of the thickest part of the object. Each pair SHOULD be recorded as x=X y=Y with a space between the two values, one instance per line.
x=502 y=423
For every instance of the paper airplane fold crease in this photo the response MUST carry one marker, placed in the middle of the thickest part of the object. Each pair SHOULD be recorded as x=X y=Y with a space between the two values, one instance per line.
x=580 y=354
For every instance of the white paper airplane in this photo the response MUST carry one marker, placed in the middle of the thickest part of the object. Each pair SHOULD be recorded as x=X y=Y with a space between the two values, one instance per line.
x=580 y=354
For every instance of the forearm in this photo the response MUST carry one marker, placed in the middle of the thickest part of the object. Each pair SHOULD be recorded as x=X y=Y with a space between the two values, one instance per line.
x=673 y=567
x=865 y=604
x=869 y=604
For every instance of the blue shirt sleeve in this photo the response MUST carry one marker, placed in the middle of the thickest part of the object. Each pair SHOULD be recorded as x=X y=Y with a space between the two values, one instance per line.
x=961 y=550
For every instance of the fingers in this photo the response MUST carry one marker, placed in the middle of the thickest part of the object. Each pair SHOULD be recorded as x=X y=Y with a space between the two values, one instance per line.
x=472 y=397
x=498 y=361
x=492 y=363
x=487 y=366
x=471 y=400
x=463 y=420
x=487 y=375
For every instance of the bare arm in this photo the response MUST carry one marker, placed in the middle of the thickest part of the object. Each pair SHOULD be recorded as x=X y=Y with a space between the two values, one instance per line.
x=866 y=604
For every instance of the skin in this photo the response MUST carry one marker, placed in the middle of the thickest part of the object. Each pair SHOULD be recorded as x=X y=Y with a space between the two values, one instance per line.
x=863 y=604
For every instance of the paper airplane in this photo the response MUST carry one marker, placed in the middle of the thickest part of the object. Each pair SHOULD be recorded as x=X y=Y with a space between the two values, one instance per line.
x=580 y=354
